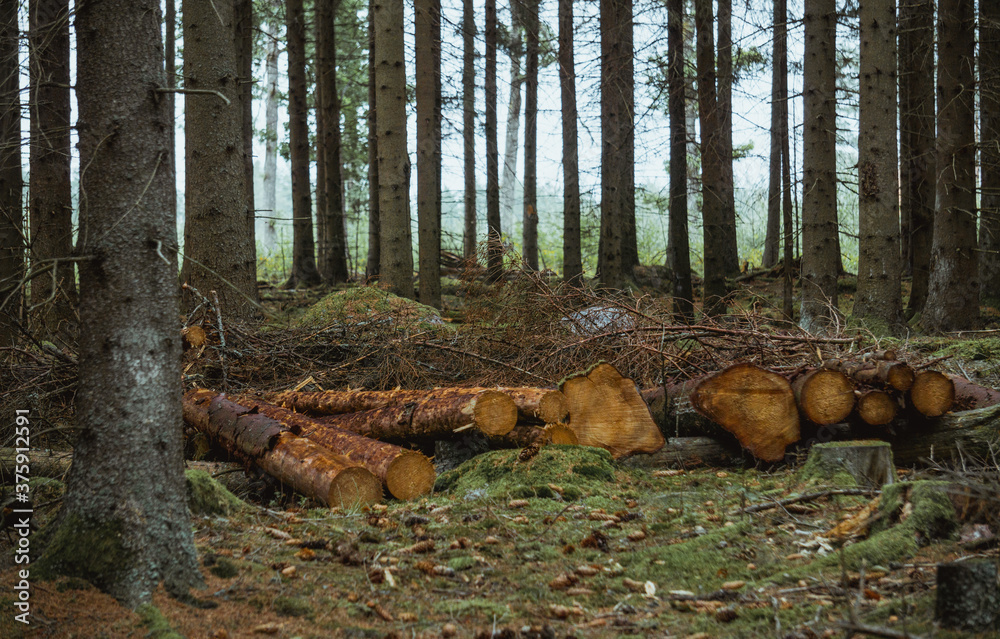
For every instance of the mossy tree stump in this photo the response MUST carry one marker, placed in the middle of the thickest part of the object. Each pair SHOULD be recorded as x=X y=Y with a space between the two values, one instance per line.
x=968 y=596
x=868 y=463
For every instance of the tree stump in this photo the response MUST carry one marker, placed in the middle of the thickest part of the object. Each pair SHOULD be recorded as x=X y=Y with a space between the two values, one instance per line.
x=868 y=462
x=968 y=596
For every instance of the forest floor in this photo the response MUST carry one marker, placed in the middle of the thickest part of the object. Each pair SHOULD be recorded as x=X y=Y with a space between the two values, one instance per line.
x=567 y=543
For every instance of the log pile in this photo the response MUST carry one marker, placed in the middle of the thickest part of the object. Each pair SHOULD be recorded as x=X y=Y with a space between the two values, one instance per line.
x=372 y=431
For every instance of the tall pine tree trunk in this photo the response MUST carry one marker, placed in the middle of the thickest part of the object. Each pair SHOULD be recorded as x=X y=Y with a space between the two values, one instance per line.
x=494 y=250
x=219 y=252
x=170 y=65
x=49 y=193
x=333 y=261
x=374 y=262
x=469 y=127
x=572 y=253
x=772 y=238
x=11 y=212
x=953 y=291
x=245 y=30
x=731 y=257
x=428 y=43
x=266 y=227
x=393 y=162
x=989 y=127
x=618 y=255
x=125 y=492
x=820 y=254
x=878 y=300
x=917 y=136
x=712 y=178
x=304 y=271
x=509 y=177
x=680 y=258
x=530 y=224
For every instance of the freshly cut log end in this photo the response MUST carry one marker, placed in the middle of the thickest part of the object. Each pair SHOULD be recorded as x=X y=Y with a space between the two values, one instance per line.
x=606 y=410
x=897 y=375
x=410 y=475
x=825 y=396
x=754 y=404
x=562 y=434
x=877 y=408
x=494 y=412
x=552 y=407
x=321 y=474
x=932 y=394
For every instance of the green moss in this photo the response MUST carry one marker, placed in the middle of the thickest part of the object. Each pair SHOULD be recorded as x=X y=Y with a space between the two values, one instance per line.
x=225 y=568
x=461 y=563
x=364 y=304
x=292 y=607
x=86 y=550
x=577 y=470
x=827 y=469
x=206 y=496
x=156 y=623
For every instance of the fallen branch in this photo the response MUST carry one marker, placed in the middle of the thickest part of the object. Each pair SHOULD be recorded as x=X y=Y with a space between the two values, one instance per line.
x=779 y=503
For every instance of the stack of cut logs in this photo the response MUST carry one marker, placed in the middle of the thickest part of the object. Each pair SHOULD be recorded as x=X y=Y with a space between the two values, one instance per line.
x=343 y=447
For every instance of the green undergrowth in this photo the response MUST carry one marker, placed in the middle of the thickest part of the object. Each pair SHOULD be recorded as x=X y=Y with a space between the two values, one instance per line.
x=556 y=472
x=368 y=304
x=206 y=496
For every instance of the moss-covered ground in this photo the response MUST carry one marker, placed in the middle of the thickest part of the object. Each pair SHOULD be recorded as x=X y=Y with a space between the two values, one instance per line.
x=568 y=543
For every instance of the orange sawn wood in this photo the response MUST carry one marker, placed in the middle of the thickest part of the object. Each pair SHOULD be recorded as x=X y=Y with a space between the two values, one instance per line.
x=606 y=410
x=825 y=396
x=932 y=393
x=311 y=469
x=407 y=474
x=756 y=405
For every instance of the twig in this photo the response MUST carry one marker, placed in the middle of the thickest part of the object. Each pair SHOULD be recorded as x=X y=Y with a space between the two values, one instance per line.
x=876 y=631
x=222 y=342
x=196 y=91
x=932 y=362
x=806 y=497
x=485 y=359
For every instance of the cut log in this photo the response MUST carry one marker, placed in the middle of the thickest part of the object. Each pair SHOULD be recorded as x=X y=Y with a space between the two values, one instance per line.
x=825 y=396
x=969 y=395
x=536 y=405
x=968 y=595
x=876 y=407
x=406 y=473
x=606 y=410
x=491 y=412
x=868 y=462
x=969 y=434
x=896 y=375
x=307 y=467
x=932 y=393
x=685 y=452
x=528 y=434
x=755 y=405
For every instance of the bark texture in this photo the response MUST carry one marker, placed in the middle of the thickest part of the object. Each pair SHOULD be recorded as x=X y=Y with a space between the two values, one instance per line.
x=968 y=595
x=878 y=300
x=396 y=268
x=820 y=247
x=11 y=212
x=989 y=131
x=132 y=504
x=469 y=239
x=724 y=62
x=916 y=143
x=953 y=289
x=530 y=219
x=618 y=253
x=374 y=262
x=219 y=251
x=572 y=253
x=494 y=249
x=267 y=228
x=428 y=89
x=333 y=266
x=679 y=254
x=50 y=207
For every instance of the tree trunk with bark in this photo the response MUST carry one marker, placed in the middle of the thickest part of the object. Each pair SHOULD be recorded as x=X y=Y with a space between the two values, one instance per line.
x=529 y=248
x=333 y=260
x=679 y=254
x=572 y=251
x=820 y=246
x=428 y=62
x=953 y=289
x=11 y=186
x=246 y=30
x=494 y=249
x=878 y=301
x=989 y=133
x=170 y=66
x=374 y=262
x=50 y=207
x=515 y=49
x=772 y=238
x=618 y=253
x=396 y=268
x=132 y=503
x=469 y=239
x=713 y=188
x=219 y=251
x=724 y=56
x=267 y=228
x=916 y=143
